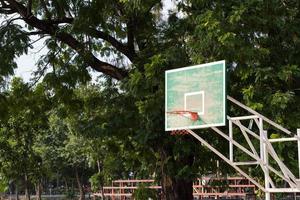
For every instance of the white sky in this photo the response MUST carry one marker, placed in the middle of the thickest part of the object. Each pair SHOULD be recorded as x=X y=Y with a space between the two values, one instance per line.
x=27 y=63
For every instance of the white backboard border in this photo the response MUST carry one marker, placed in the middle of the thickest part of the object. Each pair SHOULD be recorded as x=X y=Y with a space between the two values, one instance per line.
x=223 y=123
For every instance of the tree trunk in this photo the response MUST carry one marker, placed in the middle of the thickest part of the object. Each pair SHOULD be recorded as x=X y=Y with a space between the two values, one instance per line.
x=102 y=192
x=17 y=192
x=81 y=191
x=101 y=185
x=27 y=194
x=38 y=191
x=66 y=185
x=176 y=189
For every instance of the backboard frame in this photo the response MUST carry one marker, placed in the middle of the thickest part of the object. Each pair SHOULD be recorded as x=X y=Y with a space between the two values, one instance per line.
x=223 y=122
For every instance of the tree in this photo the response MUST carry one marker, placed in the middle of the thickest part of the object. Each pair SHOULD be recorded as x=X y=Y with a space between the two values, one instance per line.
x=128 y=30
x=89 y=143
x=179 y=159
x=26 y=120
x=75 y=154
x=260 y=42
x=124 y=25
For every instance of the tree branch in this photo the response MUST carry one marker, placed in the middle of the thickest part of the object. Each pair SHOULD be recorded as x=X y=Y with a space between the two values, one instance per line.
x=7 y=11
x=130 y=53
x=90 y=59
x=9 y=21
x=41 y=72
x=63 y=20
x=126 y=49
x=68 y=39
x=35 y=33
x=29 y=6
x=44 y=6
x=3 y=4
x=130 y=35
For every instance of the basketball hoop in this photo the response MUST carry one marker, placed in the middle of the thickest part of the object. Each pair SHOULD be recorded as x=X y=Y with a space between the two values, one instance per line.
x=179 y=132
x=193 y=116
x=189 y=114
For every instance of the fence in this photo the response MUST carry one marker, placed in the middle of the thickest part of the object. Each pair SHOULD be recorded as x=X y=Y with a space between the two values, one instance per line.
x=208 y=188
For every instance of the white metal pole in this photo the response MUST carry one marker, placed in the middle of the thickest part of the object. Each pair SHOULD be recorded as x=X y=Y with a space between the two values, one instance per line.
x=230 y=142
x=261 y=138
x=225 y=159
x=298 y=134
x=256 y=113
x=266 y=162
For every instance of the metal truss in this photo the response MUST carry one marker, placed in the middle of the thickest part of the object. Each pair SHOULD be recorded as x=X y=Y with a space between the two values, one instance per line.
x=261 y=156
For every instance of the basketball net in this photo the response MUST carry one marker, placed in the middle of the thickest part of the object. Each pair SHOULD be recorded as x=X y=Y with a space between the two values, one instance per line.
x=179 y=132
x=193 y=116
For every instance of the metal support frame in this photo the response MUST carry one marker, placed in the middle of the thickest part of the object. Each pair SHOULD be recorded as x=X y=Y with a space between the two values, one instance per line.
x=266 y=161
x=266 y=151
x=298 y=142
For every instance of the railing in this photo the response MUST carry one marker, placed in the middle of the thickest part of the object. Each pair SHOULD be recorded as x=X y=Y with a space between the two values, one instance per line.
x=231 y=187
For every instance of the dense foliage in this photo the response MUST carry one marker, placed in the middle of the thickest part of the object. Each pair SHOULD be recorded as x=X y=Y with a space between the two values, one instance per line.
x=67 y=130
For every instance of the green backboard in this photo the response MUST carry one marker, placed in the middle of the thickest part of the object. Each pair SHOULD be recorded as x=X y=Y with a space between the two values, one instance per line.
x=198 y=90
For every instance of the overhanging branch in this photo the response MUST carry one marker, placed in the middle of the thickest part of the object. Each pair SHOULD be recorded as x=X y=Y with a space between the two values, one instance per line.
x=29 y=6
x=63 y=20
x=126 y=49
x=7 y=11
x=68 y=39
x=129 y=52
x=35 y=33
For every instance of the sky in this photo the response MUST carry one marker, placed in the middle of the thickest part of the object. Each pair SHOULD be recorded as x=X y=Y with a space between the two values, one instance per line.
x=27 y=62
